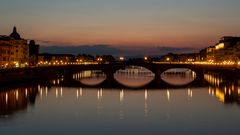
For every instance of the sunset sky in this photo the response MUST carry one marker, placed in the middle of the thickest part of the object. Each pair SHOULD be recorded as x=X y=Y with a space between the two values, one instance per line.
x=173 y=23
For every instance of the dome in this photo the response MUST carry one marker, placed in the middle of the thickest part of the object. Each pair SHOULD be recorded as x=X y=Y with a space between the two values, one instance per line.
x=14 y=34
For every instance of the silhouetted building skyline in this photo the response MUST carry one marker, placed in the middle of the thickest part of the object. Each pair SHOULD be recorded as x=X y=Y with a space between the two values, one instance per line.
x=33 y=52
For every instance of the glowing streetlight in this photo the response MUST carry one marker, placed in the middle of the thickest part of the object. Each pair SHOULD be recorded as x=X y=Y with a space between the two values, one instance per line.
x=99 y=59
x=145 y=58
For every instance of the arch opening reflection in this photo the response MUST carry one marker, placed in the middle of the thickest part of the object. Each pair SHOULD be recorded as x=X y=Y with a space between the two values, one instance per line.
x=178 y=76
x=90 y=77
x=134 y=76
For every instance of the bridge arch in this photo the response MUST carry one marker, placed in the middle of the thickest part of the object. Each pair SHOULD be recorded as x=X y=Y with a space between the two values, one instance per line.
x=178 y=76
x=110 y=69
x=134 y=76
x=90 y=77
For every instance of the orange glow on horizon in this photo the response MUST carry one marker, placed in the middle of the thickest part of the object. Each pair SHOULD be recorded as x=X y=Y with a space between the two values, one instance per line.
x=130 y=41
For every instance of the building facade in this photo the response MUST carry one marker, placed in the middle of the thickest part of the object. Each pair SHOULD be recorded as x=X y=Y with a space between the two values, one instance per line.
x=15 y=51
x=228 y=49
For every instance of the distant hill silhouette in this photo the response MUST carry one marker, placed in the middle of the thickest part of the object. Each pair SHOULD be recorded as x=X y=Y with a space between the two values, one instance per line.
x=84 y=49
x=115 y=51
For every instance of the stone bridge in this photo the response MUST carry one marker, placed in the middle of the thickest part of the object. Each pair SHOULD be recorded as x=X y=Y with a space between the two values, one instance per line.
x=67 y=71
x=157 y=68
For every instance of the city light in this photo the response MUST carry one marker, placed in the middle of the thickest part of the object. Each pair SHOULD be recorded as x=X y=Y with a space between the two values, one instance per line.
x=168 y=59
x=219 y=46
x=6 y=97
x=120 y=67
x=145 y=58
x=190 y=60
x=99 y=59
x=16 y=64
x=121 y=58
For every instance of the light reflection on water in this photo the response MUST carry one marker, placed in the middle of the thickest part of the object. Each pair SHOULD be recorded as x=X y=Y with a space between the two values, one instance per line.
x=63 y=110
x=180 y=76
x=90 y=78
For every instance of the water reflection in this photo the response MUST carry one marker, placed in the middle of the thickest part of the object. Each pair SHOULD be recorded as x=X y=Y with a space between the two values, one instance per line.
x=139 y=111
x=57 y=81
x=225 y=90
x=91 y=77
x=79 y=93
x=146 y=103
x=134 y=76
x=121 y=106
x=190 y=93
x=16 y=99
x=213 y=79
x=100 y=94
x=226 y=94
x=178 y=76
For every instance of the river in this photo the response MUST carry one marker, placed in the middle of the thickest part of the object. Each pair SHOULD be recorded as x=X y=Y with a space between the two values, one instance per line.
x=51 y=108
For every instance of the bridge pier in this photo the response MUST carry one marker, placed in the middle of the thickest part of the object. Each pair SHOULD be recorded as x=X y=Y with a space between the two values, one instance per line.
x=158 y=73
x=157 y=79
x=199 y=80
x=67 y=75
x=109 y=81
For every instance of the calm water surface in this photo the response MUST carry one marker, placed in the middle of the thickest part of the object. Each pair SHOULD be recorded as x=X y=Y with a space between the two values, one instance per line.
x=41 y=109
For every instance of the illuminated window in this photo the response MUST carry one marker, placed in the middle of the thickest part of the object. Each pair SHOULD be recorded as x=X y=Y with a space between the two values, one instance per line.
x=220 y=46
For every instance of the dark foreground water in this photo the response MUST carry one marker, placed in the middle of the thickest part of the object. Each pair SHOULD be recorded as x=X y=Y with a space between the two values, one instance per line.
x=40 y=109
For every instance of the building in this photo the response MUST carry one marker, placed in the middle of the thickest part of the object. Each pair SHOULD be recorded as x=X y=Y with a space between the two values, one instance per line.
x=105 y=59
x=228 y=49
x=55 y=59
x=14 y=51
x=84 y=58
x=33 y=53
x=188 y=57
x=209 y=54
